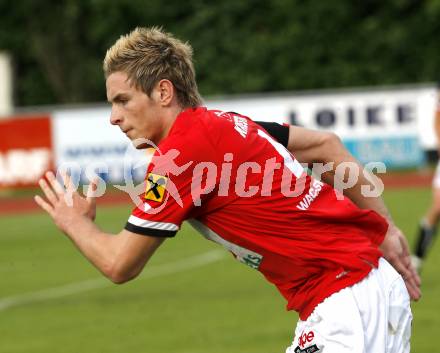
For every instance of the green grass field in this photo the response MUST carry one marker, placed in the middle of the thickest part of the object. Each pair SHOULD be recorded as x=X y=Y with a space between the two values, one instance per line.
x=191 y=298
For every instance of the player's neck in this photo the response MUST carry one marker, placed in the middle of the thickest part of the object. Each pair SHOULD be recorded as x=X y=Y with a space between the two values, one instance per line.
x=169 y=119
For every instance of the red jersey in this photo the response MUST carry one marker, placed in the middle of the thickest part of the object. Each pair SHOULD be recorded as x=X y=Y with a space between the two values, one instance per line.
x=242 y=189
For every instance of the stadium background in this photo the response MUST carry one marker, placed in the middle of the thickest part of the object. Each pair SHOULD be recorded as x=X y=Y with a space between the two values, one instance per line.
x=366 y=70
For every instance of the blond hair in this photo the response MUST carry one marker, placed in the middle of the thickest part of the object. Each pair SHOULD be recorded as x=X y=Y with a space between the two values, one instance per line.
x=148 y=55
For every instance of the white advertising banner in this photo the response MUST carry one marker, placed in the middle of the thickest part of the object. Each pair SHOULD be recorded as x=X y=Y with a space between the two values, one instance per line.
x=87 y=144
x=349 y=114
x=391 y=126
x=386 y=125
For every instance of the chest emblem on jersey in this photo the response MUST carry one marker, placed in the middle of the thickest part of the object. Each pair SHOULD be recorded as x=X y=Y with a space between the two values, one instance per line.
x=156 y=187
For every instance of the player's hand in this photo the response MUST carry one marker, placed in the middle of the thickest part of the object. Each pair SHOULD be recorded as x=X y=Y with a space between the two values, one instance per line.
x=63 y=203
x=396 y=250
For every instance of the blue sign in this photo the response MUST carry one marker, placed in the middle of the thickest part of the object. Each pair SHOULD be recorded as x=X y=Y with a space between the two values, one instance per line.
x=394 y=152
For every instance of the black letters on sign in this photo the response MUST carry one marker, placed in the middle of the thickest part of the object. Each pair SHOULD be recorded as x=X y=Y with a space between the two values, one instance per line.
x=325 y=118
x=373 y=116
x=404 y=113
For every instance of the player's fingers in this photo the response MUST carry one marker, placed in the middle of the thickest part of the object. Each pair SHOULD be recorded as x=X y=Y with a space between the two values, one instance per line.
x=44 y=205
x=410 y=290
x=412 y=282
x=404 y=271
x=412 y=294
x=414 y=274
x=408 y=270
x=50 y=195
x=413 y=290
x=406 y=260
x=417 y=293
x=416 y=281
x=408 y=277
x=54 y=183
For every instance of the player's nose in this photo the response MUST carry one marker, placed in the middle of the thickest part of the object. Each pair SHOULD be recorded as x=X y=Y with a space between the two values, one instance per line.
x=115 y=117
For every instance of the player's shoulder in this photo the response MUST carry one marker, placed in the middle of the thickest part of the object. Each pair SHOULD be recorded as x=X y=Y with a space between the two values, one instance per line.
x=201 y=125
x=201 y=133
x=230 y=125
x=202 y=120
x=191 y=136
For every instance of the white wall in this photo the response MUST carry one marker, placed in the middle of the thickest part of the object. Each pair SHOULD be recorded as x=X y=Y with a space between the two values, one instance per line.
x=6 y=104
x=357 y=114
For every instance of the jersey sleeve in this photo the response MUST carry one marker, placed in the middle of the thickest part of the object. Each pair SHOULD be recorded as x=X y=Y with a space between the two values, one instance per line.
x=166 y=201
x=277 y=131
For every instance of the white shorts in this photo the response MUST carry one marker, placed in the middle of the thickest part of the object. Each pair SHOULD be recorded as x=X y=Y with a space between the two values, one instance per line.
x=372 y=316
x=436 y=179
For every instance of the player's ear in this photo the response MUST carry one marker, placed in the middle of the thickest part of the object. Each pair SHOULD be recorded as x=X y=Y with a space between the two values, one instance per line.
x=166 y=91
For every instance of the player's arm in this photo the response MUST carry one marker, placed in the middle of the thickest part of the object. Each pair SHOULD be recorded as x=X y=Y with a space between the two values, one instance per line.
x=119 y=257
x=311 y=146
x=277 y=131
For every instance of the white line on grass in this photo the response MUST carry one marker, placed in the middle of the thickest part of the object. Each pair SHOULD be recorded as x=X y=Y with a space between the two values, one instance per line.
x=85 y=286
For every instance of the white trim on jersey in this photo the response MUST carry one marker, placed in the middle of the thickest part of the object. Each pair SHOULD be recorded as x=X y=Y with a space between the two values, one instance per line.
x=246 y=256
x=143 y=223
x=291 y=163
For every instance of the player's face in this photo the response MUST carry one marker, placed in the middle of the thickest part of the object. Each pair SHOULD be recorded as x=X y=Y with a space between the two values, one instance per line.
x=136 y=114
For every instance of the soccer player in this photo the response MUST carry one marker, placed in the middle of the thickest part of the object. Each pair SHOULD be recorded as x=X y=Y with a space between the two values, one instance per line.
x=335 y=259
x=428 y=225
